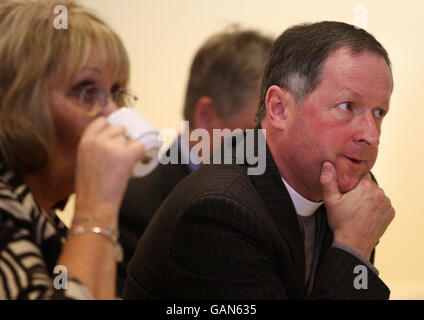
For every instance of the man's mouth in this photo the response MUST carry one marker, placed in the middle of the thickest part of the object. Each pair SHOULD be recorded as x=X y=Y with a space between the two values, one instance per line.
x=355 y=161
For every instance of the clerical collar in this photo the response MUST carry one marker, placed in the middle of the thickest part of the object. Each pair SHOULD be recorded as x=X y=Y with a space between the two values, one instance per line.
x=303 y=206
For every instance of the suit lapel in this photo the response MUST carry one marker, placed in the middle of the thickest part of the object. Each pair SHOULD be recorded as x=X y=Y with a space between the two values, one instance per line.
x=281 y=209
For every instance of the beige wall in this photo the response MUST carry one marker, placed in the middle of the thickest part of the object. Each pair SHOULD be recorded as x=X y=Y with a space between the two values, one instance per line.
x=162 y=36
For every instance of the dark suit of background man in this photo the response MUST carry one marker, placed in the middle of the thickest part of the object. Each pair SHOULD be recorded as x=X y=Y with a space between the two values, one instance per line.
x=307 y=227
x=223 y=92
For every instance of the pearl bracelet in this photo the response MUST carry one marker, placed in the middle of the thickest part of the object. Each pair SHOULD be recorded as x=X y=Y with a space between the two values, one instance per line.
x=111 y=234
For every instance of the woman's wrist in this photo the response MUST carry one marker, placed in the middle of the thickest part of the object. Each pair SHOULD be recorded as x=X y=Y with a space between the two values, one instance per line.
x=101 y=214
x=111 y=235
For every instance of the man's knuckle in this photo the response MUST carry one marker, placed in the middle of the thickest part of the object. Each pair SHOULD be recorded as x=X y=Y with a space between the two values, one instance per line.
x=381 y=197
x=392 y=213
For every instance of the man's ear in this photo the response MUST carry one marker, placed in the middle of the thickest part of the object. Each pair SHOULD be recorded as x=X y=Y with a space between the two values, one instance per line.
x=277 y=101
x=204 y=113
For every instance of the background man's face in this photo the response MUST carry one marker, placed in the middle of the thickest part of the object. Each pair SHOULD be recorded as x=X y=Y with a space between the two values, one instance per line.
x=340 y=121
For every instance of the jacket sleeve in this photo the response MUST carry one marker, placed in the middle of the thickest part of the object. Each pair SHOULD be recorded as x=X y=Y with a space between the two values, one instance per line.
x=23 y=271
x=343 y=276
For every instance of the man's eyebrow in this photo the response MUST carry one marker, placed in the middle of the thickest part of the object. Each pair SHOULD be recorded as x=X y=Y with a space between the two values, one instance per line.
x=352 y=92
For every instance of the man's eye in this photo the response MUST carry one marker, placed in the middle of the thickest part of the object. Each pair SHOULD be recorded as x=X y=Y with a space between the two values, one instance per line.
x=379 y=113
x=347 y=106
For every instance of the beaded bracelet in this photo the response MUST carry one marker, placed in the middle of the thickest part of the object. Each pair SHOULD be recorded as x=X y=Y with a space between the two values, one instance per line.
x=113 y=235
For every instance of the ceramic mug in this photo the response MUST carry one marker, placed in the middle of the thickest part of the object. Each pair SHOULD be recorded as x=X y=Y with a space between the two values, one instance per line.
x=138 y=129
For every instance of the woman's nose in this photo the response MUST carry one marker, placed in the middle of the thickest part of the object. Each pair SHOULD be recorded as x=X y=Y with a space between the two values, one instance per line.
x=110 y=106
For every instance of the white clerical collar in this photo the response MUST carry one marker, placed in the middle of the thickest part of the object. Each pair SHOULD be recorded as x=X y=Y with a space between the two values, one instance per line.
x=303 y=206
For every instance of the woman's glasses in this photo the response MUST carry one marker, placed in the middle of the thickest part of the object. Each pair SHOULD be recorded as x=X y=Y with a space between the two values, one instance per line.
x=94 y=99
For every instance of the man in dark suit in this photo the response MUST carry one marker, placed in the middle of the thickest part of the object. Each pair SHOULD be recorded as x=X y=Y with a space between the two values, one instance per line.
x=223 y=92
x=307 y=226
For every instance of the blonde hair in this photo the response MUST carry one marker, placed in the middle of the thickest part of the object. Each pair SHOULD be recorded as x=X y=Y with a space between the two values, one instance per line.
x=33 y=54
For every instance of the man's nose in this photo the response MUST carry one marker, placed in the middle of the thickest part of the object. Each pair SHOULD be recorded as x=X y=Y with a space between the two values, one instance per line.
x=367 y=130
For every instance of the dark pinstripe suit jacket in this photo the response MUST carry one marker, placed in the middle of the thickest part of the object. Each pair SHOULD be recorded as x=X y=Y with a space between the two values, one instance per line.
x=222 y=234
x=142 y=198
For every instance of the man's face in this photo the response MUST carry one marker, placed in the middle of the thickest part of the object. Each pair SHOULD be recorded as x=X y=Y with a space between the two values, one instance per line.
x=340 y=121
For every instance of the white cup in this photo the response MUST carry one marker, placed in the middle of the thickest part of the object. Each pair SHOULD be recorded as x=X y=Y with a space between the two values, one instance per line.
x=138 y=129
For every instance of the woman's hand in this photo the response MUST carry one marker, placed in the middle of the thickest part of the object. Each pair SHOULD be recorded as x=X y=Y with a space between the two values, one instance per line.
x=105 y=159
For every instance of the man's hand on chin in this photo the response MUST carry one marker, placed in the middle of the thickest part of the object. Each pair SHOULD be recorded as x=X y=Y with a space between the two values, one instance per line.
x=359 y=217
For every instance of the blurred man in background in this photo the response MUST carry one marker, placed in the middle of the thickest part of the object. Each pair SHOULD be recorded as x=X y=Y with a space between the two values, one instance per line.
x=222 y=93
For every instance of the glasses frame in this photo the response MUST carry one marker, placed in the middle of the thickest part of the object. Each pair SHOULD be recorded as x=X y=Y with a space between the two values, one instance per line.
x=102 y=97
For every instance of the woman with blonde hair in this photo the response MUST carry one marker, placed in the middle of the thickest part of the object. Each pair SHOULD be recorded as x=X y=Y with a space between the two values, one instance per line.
x=57 y=86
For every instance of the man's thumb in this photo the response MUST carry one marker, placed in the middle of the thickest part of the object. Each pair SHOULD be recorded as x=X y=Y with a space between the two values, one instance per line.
x=328 y=180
